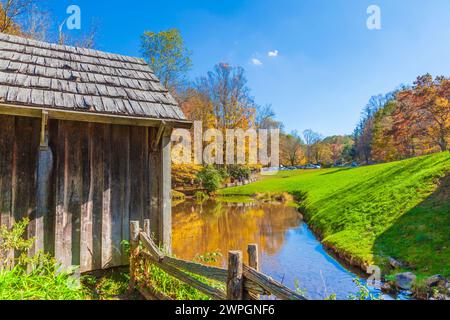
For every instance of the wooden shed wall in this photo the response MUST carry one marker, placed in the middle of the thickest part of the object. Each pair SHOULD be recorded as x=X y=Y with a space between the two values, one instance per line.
x=81 y=192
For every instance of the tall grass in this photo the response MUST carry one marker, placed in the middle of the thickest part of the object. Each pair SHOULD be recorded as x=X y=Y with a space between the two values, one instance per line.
x=399 y=209
x=37 y=277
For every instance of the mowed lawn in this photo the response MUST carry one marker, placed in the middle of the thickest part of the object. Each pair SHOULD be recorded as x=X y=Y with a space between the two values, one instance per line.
x=399 y=209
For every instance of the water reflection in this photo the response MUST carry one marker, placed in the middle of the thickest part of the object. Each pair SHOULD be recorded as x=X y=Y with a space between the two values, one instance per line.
x=216 y=226
x=289 y=251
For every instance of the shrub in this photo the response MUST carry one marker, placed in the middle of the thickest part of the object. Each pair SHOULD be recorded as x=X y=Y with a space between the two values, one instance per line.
x=210 y=178
x=239 y=172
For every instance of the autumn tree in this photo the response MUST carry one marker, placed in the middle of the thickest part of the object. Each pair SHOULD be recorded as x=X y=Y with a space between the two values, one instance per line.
x=384 y=146
x=313 y=148
x=431 y=100
x=232 y=105
x=363 y=133
x=10 y=12
x=168 y=56
x=291 y=149
x=335 y=147
x=266 y=118
x=27 y=19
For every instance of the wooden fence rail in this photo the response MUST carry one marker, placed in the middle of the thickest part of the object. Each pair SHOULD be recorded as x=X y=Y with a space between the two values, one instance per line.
x=243 y=282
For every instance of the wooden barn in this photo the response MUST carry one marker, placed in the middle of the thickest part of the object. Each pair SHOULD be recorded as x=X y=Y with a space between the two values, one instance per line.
x=84 y=149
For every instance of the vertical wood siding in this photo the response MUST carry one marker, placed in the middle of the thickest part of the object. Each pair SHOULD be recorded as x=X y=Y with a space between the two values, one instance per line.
x=82 y=192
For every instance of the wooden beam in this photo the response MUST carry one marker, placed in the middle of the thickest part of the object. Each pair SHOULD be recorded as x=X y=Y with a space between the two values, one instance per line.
x=209 y=272
x=157 y=140
x=44 y=130
x=270 y=285
x=70 y=115
x=150 y=246
x=186 y=278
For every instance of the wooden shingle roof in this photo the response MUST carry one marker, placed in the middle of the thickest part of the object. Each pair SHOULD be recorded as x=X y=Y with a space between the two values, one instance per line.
x=44 y=75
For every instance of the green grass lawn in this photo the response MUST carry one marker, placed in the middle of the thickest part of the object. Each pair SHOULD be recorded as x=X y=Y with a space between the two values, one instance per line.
x=399 y=210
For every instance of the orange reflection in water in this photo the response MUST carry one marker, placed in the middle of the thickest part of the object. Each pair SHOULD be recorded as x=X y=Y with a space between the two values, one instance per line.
x=221 y=227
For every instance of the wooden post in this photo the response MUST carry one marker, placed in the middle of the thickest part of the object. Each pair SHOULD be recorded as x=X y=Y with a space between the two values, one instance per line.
x=147 y=228
x=44 y=173
x=165 y=227
x=160 y=191
x=253 y=262
x=253 y=258
x=235 y=284
x=134 y=251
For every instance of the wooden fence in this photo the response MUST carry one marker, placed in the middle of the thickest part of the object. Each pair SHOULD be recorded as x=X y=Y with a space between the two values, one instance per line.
x=242 y=282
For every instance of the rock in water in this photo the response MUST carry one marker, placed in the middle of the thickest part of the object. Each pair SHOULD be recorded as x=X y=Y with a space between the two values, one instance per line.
x=405 y=280
x=435 y=281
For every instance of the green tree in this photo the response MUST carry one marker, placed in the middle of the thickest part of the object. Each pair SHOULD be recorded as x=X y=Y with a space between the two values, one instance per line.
x=166 y=53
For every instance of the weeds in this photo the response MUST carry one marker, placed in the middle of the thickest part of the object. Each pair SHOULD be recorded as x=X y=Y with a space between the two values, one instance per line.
x=37 y=277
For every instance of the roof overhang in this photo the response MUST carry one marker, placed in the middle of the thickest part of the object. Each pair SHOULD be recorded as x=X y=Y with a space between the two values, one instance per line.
x=70 y=115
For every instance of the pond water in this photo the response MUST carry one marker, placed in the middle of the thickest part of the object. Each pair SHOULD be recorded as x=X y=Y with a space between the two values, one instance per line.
x=289 y=251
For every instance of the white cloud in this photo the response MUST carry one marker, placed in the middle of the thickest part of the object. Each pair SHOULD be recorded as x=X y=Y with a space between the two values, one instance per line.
x=256 y=62
x=273 y=54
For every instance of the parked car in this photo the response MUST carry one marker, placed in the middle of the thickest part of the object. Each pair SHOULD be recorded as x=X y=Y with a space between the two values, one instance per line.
x=313 y=166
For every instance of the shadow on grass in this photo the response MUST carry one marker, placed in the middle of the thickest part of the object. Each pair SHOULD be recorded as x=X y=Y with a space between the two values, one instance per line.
x=336 y=171
x=421 y=237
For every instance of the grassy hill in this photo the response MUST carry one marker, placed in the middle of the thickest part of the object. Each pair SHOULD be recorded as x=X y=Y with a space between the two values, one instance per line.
x=367 y=214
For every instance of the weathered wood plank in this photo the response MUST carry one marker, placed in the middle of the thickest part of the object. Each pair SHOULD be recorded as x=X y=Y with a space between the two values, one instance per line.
x=97 y=182
x=180 y=275
x=86 y=233
x=235 y=288
x=165 y=200
x=106 y=214
x=6 y=171
x=209 y=272
x=212 y=273
x=127 y=197
x=146 y=174
x=137 y=159
x=75 y=132
x=50 y=206
x=270 y=285
x=63 y=219
x=147 y=228
x=44 y=188
x=151 y=246
x=154 y=187
x=25 y=168
x=253 y=262
x=119 y=179
x=134 y=251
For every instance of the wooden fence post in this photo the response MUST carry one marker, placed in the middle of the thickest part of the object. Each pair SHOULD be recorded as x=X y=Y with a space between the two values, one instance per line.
x=235 y=283
x=253 y=257
x=253 y=262
x=147 y=228
x=134 y=251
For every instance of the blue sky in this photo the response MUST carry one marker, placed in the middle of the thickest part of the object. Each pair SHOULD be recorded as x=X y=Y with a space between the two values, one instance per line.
x=328 y=63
